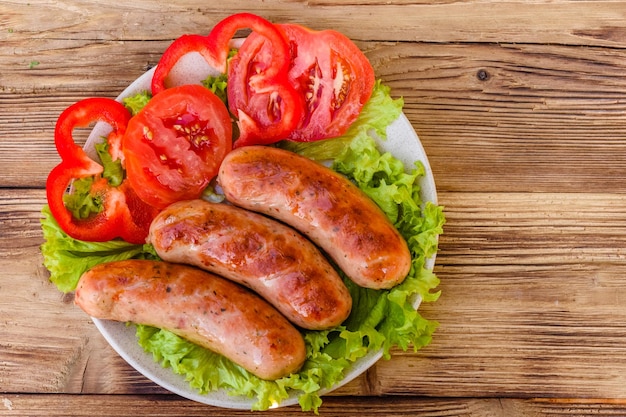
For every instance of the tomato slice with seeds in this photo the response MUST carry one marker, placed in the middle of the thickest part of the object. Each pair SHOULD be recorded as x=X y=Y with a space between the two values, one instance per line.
x=333 y=76
x=174 y=146
x=266 y=111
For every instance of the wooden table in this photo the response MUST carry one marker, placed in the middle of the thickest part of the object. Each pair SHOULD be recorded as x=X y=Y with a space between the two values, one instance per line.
x=521 y=107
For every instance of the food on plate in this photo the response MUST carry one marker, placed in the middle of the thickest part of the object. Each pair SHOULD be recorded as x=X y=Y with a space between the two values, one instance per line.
x=284 y=93
x=197 y=305
x=104 y=205
x=173 y=147
x=323 y=205
x=270 y=258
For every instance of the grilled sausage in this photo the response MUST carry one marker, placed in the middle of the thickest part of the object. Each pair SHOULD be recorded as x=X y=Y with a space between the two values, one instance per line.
x=323 y=205
x=272 y=259
x=203 y=308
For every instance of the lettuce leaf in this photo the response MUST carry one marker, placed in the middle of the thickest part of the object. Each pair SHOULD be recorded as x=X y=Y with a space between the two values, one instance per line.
x=217 y=84
x=66 y=258
x=136 y=102
x=82 y=202
x=113 y=170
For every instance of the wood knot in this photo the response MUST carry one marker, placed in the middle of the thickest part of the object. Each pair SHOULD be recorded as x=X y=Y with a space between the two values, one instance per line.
x=482 y=75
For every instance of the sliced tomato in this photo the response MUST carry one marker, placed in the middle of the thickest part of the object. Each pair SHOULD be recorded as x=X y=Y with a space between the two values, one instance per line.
x=333 y=76
x=174 y=146
x=260 y=95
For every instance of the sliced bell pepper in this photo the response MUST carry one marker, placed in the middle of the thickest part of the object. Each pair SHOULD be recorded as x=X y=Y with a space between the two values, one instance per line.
x=123 y=214
x=215 y=47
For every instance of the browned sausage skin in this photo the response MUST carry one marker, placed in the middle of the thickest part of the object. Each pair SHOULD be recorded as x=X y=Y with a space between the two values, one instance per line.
x=270 y=258
x=323 y=205
x=201 y=307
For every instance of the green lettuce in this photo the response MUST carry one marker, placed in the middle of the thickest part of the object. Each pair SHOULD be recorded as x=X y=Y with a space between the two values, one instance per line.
x=67 y=258
x=136 y=102
x=81 y=202
x=217 y=84
x=113 y=170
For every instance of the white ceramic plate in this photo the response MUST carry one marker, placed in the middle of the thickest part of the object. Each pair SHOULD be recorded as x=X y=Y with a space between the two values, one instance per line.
x=402 y=142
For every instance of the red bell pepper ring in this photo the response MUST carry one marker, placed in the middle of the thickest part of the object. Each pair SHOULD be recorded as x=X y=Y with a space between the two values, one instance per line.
x=123 y=214
x=215 y=47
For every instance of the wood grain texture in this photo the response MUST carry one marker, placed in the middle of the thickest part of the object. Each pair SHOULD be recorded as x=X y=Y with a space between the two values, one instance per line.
x=170 y=405
x=493 y=117
x=404 y=20
x=521 y=108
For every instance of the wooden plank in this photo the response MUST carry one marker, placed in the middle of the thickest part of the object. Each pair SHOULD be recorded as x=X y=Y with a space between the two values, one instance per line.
x=170 y=405
x=508 y=117
x=405 y=20
x=532 y=302
x=507 y=128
